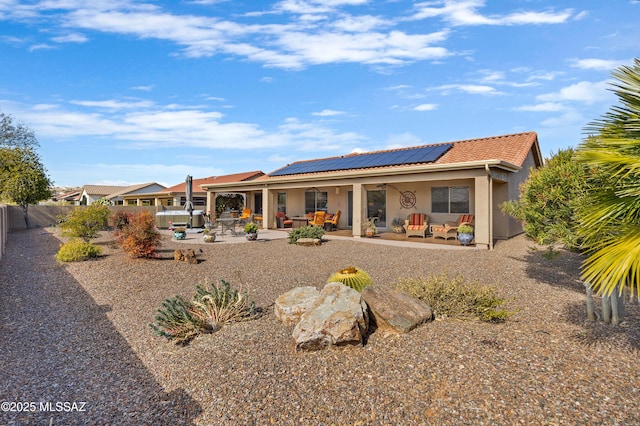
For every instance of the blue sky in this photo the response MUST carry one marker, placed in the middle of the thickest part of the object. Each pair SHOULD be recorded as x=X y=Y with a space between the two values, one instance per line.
x=125 y=92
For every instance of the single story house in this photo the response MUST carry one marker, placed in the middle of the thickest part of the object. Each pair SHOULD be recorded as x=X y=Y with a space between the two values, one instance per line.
x=443 y=180
x=92 y=193
x=176 y=195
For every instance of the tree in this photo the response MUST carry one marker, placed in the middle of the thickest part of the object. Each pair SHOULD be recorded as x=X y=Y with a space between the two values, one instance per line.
x=16 y=135
x=610 y=216
x=549 y=198
x=23 y=178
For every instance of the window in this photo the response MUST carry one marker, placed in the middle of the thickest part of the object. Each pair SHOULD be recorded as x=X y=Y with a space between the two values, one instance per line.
x=282 y=202
x=450 y=199
x=315 y=201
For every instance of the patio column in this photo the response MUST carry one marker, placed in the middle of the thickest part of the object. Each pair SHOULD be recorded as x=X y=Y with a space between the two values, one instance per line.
x=267 y=216
x=482 y=223
x=211 y=204
x=359 y=208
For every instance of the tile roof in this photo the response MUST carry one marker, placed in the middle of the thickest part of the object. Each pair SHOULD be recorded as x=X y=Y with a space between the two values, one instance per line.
x=101 y=189
x=125 y=190
x=235 y=177
x=512 y=149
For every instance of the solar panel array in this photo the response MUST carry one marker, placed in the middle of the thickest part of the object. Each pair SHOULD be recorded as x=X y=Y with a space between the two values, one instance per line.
x=425 y=154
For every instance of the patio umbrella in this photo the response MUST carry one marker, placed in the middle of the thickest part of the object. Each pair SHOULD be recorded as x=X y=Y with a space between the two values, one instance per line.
x=188 y=205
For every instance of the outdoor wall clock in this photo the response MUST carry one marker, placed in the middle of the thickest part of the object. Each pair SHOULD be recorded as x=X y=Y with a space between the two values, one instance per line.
x=407 y=199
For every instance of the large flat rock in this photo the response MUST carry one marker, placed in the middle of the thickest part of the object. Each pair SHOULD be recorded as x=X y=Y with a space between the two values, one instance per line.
x=395 y=311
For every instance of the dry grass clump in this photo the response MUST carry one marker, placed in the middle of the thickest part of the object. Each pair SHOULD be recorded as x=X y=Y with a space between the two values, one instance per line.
x=456 y=298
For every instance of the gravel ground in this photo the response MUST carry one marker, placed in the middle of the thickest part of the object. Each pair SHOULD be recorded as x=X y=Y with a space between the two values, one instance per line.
x=79 y=333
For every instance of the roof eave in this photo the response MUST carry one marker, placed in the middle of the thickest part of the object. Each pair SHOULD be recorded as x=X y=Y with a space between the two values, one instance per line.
x=357 y=173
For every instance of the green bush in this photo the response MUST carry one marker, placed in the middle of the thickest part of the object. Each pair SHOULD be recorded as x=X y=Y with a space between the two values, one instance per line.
x=85 y=222
x=77 y=250
x=305 y=232
x=212 y=306
x=455 y=298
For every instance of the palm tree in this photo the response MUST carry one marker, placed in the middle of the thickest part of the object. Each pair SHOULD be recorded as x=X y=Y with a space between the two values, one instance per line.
x=609 y=219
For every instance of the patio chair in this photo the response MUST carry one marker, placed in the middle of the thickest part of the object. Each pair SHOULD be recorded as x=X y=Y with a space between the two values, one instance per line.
x=282 y=221
x=450 y=229
x=246 y=214
x=318 y=219
x=333 y=222
x=417 y=224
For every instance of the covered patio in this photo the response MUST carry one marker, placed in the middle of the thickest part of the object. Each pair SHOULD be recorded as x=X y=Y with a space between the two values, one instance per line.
x=443 y=181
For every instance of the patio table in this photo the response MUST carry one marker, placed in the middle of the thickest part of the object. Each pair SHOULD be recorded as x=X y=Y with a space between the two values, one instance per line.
x=228 y=224
x=299 y=222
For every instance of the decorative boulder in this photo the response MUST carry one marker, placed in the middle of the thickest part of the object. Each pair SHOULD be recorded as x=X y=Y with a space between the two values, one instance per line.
x=308 y=242
x=290 y=306
x=395 y=311
x=338 y=317
x=187 y=255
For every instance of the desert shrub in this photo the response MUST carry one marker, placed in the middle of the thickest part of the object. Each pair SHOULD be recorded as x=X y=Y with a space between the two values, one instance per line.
x=305 y=232
x=85 y=222
x=121 y=220
x=212 y=306
x=352 y=277
x=140 y=238
x=455 y=298
x=77 y=250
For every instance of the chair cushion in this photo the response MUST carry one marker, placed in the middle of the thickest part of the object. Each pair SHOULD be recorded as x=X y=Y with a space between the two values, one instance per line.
x=416 y=219
x=416 y=227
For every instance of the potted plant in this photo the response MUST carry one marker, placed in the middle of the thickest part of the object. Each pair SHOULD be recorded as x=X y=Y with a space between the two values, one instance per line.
x=180 y=233
x=370 y=228
x=208 y=236
x=465 y=234
x=397 y=225
x=251 y=229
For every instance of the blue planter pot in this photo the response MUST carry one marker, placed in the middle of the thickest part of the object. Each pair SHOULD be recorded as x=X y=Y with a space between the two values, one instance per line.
x=179 y=235
x=465 y=238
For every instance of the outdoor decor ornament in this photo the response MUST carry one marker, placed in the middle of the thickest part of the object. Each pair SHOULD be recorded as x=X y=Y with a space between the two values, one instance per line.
x=407 y=199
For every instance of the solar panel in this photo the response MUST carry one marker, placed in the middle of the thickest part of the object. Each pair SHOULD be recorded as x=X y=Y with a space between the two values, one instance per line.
x=425 y=154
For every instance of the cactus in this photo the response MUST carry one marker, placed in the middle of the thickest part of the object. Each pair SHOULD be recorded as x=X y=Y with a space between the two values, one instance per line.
x=352 y=277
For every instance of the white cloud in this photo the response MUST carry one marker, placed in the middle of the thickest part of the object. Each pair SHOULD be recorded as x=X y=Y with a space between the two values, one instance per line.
x=148 y=88
x=543 y=107
x=425 y=107
x=293 y=43
x=597 y=64
x=114 y=104
x=569 y=118
x=584 y=91
x=327 y=113
x=472 y=89
x=461 y=13
x=70 y=38
x=144 y=124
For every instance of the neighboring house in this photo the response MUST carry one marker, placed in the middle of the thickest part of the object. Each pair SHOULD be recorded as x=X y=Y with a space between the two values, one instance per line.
x=177 y=195
x=137 y=195
x=92 y=193
x=442 y=180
